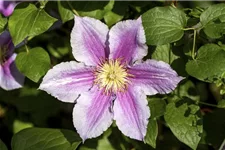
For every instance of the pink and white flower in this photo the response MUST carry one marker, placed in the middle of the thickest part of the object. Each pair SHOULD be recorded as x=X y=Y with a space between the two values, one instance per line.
x=7 y=7
x=10 y=77
x=110 y=82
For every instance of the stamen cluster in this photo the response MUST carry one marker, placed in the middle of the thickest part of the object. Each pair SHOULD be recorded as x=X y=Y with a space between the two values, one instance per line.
x=112 y=76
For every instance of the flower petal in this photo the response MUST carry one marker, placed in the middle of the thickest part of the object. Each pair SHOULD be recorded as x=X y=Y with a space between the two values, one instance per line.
x=10 y=77
x=6 y=44
x=154 y=77
x=88 y=40
x=66 y=81
x=127 y=41
x=92 y=114
x=131 y=113
x=7 y=7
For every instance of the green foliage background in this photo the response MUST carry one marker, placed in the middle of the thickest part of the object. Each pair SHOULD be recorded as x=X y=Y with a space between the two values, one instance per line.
x=187 y=35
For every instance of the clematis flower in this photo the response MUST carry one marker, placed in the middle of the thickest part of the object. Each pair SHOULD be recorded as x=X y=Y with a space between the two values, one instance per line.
x=10 y=77
x=7 y=7
x=112 y=82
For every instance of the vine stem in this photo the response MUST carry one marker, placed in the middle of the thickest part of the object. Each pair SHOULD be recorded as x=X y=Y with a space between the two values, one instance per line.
x=207 y=104
x=193 y=48
x=73 y=10
x=27 y=50
x=186 y=29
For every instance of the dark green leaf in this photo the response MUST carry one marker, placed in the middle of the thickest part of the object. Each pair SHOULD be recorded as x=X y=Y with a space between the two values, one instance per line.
x=88 y=5
x=212 y=13
x=164 y=53
x=184 y=119
x=3 y=22
x=210 y=63
x=157 y=107
x=214 y=30
x=19 y=125
x=2 y=146
x=65 y=14
x=141 y=4
x=111 y=18
x=31 y=22
x=163 y=25
x=33 y=64
x=45 y=139
x=187 y=89
x=214 y=125
x=221 y=104
x=152 y=132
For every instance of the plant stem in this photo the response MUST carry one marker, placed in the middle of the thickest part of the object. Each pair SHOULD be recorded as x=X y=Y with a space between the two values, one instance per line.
x=73 y=10
x=186 y=29
x=27 y=50
x=207 y=104
x=193 y=48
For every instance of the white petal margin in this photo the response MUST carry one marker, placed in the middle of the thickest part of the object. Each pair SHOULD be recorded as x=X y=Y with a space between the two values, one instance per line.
x=131 y=113
x=92 y=114
x=88 y=40
x=127 y=41
x=67 y=80
x=10 y=77
x=154 y=77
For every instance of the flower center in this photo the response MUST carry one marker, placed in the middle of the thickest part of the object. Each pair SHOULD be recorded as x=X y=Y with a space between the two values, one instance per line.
x=112 y=76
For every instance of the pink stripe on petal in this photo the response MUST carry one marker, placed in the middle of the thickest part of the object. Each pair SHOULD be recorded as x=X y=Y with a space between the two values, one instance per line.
x=66 y=81
x=10 y=77
x=154 y=77
x=92 y=114
x=127 y=41
x=131 y=113
x=88 y=40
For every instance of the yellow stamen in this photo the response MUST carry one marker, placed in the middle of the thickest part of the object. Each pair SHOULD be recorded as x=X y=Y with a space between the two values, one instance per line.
x=112 y=76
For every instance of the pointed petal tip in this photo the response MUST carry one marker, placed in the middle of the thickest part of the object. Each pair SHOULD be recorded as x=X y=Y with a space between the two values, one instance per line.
x=67 y=80
x=91 y=115
x=88 y=38
x=132 y=113
x=128 y=37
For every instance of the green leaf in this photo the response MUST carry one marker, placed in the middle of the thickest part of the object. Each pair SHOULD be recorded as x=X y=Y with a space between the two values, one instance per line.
x=214 y=30
x=141 y=4
x=20 y=125
x=111 y=18
x=104 y=143
x=88 y=5
x=213 y=13
x=184 y=119
x=2 y=146
x=164 y=53
x=163 y=25
x=187 y=89
x=221 y=104
x=31 y=22
x=152 y=132
x=209 y=64
x=45 y=139
x=33 y=64
x=65 y=14
x=3 y=22
x=157 y=107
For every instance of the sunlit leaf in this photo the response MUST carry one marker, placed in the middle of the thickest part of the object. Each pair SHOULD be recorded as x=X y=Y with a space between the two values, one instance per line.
x=33 y=64
x=29 y=21
x=163 y=25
